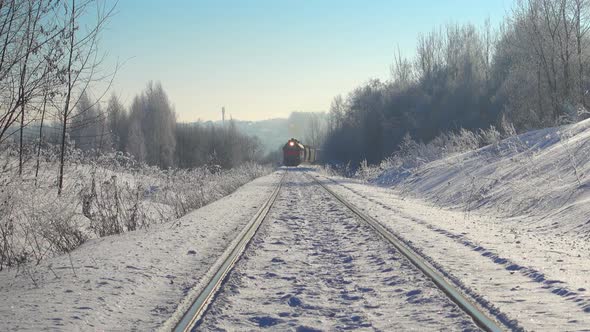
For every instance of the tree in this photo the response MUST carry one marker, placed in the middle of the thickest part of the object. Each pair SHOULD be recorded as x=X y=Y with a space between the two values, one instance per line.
x=28 y=43
x=402 y=71
x=87 y=127
x=315 y=130
x=80 y=62
x=581 y=27
x=135 y=141
x=336 y=114
x=118 y=123
x=154 y=115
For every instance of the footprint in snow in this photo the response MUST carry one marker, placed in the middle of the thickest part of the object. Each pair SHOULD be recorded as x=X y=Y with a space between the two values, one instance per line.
x=413 y=293
x=347 y=259
x=265 y=321
x=350 y=297
x=365 y=289
x=306 y=329
x=294 y=301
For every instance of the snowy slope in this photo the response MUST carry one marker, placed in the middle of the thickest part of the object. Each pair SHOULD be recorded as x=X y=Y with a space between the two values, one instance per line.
x=542 y=175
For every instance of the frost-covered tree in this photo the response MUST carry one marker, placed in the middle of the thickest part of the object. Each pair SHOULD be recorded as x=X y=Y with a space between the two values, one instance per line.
x=87 y=128
x=154 y=114
x=78 y=65
x=31 y=39
x=445 y=87
x=315 y=129
x=541 y=61
x=135 y=140
x=118 y=123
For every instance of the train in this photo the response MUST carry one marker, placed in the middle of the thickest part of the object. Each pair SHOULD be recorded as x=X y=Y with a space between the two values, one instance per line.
x=295 y=153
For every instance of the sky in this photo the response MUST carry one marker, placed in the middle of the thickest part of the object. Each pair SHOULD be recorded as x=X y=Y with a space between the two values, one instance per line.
x=264 y=59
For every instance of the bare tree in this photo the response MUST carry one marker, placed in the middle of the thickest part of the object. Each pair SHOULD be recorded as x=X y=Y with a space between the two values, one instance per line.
x=117 y=123
x=28 y=39
x=402 y=71
x=46 y=95
x=81 y=62
x=315 y=130
x=488 y=42
x=136 y=142
x=580 y=13
x=336 y=114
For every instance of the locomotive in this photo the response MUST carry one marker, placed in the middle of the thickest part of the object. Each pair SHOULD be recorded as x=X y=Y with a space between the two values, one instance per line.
x=295 y=153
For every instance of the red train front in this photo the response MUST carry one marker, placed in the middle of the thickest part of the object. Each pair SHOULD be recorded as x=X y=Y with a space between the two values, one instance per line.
x=295 y=153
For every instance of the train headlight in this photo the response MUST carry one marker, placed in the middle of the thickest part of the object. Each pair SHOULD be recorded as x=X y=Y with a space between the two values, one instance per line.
x=291 y=143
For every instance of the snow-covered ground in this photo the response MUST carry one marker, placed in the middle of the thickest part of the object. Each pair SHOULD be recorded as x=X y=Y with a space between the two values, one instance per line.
x=510 y=222
x=526 y=279
x=315 y=266
x=540 y=180
x=132 y=281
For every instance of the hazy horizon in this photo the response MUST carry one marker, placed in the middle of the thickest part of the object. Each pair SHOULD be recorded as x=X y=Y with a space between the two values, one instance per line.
x=268 y=59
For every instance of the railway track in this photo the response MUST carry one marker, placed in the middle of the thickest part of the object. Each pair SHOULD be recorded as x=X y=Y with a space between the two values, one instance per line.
x=200 y=305
x=193 y=316
x=480 y=317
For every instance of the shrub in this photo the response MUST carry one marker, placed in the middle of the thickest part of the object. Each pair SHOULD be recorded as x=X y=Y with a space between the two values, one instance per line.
x=103 y=195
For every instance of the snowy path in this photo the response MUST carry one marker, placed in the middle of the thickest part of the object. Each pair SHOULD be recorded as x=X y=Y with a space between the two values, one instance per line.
x=313 y=265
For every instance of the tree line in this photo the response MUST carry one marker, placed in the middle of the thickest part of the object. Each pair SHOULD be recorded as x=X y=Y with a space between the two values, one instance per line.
x=150 y=133
x=532 y=70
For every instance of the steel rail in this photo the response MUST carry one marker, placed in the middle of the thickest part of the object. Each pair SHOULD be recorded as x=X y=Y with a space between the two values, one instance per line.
x=200 y=305
x=479 y=317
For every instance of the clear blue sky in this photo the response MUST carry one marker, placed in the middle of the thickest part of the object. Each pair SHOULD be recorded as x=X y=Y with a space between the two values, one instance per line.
x=264 y=59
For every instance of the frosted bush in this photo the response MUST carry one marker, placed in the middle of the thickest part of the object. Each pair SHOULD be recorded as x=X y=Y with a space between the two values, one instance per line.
x=103 y=195
x=412 y=155
x=490 y=136
x=366 y=171
x=337 y=170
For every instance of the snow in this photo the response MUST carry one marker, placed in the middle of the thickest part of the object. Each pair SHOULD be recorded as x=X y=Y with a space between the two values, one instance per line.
x=538 y=289
x=542 y=175
x=508 y=222
x=315 y=266
x=132 y=281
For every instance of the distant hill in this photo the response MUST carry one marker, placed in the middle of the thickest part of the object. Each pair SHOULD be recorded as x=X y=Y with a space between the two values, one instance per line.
x=273 y=133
